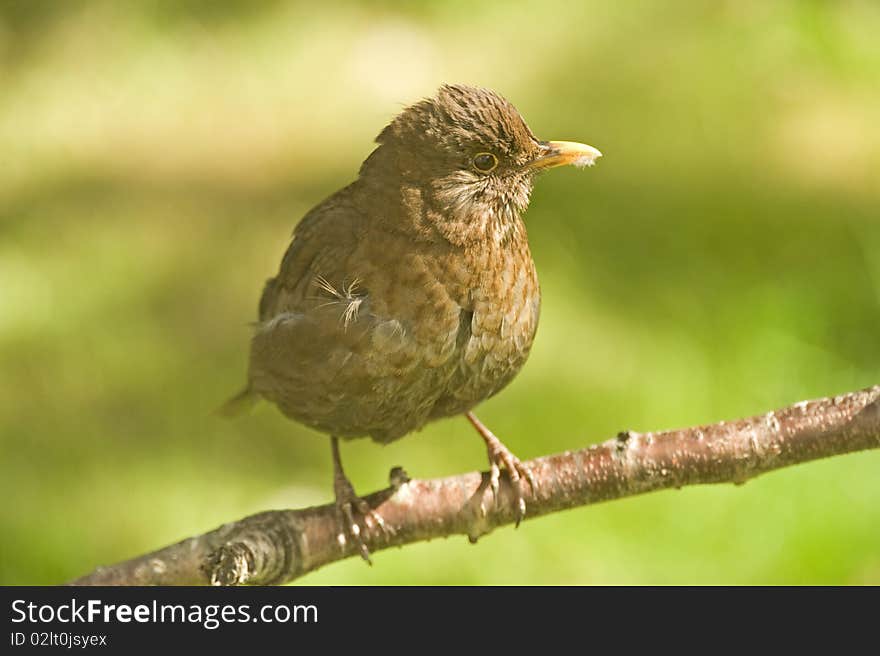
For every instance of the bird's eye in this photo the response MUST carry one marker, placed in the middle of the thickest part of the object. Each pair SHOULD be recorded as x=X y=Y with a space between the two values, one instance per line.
x=485 y=162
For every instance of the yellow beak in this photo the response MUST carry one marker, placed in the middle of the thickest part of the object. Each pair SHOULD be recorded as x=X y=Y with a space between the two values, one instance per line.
x=560 y=153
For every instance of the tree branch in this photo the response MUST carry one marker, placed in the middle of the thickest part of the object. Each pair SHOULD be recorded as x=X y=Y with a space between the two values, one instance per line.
x=279 y=546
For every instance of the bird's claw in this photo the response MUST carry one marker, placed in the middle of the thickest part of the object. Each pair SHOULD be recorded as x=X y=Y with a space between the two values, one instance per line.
x=500 y=455
x=348 y=504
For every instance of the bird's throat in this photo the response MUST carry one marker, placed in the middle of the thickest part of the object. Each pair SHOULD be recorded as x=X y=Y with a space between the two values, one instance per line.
x=471 y=213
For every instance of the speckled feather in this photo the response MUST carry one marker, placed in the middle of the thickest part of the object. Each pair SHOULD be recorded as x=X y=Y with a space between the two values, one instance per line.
x=411 y=294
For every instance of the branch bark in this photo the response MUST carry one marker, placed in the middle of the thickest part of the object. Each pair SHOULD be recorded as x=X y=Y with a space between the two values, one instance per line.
x=279 y=546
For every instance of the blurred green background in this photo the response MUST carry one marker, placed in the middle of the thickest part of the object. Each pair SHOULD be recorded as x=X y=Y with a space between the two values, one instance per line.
x=722 y=259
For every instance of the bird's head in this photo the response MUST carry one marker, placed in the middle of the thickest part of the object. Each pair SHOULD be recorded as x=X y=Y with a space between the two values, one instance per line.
x=470 y=151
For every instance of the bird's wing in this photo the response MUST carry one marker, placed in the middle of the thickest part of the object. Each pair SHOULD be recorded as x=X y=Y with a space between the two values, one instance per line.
x=323 y=236
x=360 y=332
x=322 y=241
x=338 y=346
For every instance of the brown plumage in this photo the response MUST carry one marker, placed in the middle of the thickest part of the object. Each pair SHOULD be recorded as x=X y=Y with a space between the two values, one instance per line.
x=410 y=294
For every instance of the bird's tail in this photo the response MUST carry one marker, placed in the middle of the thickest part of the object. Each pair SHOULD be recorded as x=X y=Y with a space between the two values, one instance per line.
x=238 y=404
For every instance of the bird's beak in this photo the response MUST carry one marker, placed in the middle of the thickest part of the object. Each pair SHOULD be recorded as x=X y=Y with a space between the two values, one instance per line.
x=560 y=153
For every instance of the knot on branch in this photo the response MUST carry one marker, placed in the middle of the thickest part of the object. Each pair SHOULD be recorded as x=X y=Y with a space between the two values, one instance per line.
x=231 y=564
x=265 y=552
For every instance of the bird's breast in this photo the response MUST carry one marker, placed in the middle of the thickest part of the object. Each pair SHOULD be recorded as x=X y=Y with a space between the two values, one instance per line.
x=499 y=311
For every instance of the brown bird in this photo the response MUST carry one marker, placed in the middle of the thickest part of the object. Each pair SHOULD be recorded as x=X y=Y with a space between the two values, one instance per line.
x=410 y=294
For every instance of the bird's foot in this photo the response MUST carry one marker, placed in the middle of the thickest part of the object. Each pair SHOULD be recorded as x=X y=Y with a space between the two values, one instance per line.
x=349 y=504
x=500 y=456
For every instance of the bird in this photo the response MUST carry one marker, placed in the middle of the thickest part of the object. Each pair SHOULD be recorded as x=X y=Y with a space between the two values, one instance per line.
x=411 y=294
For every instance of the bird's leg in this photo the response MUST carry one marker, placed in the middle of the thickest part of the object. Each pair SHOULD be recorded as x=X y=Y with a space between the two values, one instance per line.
x=347 y=503
x=500 y=455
